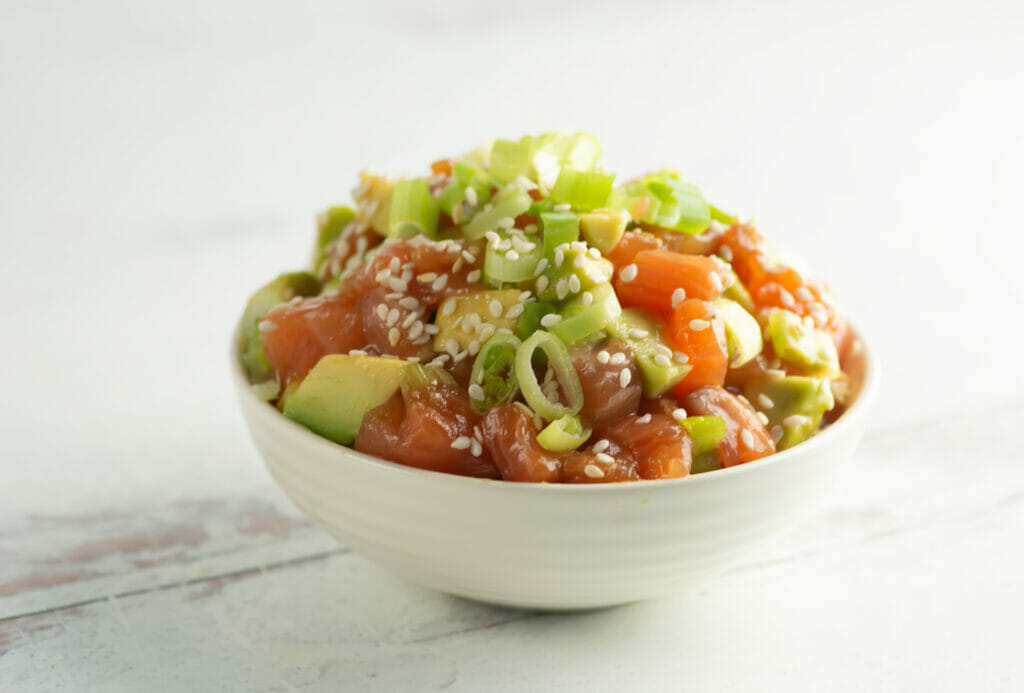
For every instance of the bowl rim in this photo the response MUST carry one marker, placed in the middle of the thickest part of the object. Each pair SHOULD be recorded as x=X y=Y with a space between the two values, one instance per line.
x=865 y=396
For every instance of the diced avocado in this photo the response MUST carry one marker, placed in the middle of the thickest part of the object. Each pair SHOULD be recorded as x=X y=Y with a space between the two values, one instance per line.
x=706 y=432
x=555 y=283
x=416 y=376
x=808 y=349
x=795 y=403
x=455 y=317
x=283 y=288
x=643 y=333
x=742 y=333
x=582 y=320
x=737 y=291
x=329 y=225
x=603 y=228
x=334 y=396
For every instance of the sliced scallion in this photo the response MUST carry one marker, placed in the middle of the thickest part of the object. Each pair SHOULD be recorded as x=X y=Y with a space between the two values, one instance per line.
x=580 y=321
x=414 y=211
x=559 y=228
x=503 y=265
x=511 y=201
x=564 y=434
x=494 y=371
x=584 y=190
x=559 y=361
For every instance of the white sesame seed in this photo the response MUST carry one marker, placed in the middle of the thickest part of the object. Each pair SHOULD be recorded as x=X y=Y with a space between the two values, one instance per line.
x=474 y=348
x=451 y=346
x=603 y=356
x=716 y=281
x=382 y=276
x=725 y=252
x=786 y=298
x=471 y=197
x=680 y=357
x=506 y=222
x=550 y=320
x=795 y=420
x=593 y=471
x=392 y=318
x=678 y=413
x=818 y=312
x=697 y=324
x=447 y=308
x=515 y=310
x=267 y=326
x=762 y=418
x=747 y=438
x=804 y=294
x=618 y=358
x=559 y=257
x=393 y=296
x=628 y=273
x=678 y=296
x=777 y=434
x=477 y=433
x=562 y=207
x=396 y=284
x=382 y=311
x=601 y=445
x=409 y=302
x=624 y=377
x=579 y=261
x=765 y=401
x=457 y=267
x=393 y=336
x=638 y=333
x=426 y=277
x=645 y=419
x=440 y=282
x=475 y=448
x=476 y=392
x=431 y=328
x=473 y=276
x=542 y=283
x=409 y=319
x=588 y=298
x=574 y=284
x=495 y=308
x=461 y=443
x=594 y=253
x=562 y=288
x=468 y=256
x=357 y=352
x=416 y=330
x=493 y=238
x=524 y=296
x=542 y=265
x=605 y=457
x=511 y=256
x=662 y=360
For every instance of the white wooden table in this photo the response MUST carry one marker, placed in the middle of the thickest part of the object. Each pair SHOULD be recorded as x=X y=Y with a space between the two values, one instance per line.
x=156 y=164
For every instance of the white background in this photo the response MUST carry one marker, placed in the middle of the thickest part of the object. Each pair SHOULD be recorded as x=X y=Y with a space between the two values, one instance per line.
x=159 y=161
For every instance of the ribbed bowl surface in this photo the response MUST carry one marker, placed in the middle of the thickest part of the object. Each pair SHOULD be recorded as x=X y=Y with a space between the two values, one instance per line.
x=546 y=545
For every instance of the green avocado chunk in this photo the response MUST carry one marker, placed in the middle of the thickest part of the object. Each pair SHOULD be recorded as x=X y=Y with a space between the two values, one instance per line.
x=603 y=228
x=794 y=403
x=742 y=333
x=283 y=288
x=810 y=350
x=341 y=388
x=643 y=335
x=329 y=226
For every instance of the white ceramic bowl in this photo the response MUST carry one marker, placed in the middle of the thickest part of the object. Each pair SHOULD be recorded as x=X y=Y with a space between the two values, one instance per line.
x=549 y=546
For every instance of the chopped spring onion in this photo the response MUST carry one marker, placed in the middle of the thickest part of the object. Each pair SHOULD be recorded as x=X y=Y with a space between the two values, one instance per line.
x=452 y=195
x=721 y=217
x=584 y=190
x=494 y=370
x=529 y=321
x=564 y=434
x=413 y=210
x=559 y=228
x=662 y=199
x=510 y=159
x=511 y=201
x=580 y=321
x=559 y=361
x=330 y=224
x=511 y=265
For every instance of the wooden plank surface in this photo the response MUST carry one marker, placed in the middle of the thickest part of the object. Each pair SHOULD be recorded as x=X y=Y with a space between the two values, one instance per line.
x=244 y=593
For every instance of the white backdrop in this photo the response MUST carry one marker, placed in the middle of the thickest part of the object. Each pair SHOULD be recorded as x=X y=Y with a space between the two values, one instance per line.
x=158 y=161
